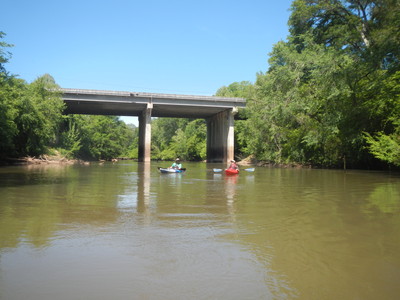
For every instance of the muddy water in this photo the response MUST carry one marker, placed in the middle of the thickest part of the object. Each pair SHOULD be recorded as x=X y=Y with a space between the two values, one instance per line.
x=125 y=231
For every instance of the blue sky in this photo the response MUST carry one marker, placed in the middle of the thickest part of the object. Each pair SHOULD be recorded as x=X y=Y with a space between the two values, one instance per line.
x=178 y=47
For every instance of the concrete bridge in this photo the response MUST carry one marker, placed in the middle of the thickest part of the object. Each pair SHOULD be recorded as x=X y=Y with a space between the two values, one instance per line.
x=218 y=111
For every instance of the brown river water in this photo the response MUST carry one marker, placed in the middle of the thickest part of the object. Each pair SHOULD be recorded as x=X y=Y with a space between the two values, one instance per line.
x=125 y=231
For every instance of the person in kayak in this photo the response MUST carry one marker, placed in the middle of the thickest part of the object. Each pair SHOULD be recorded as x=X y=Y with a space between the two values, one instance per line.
x=177 y=164
x=233 y=165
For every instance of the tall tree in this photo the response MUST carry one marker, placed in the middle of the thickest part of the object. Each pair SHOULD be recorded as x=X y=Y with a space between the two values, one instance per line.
x=10 y=89
x=102 y=137
x=325 y=83
x=4 y=55
x=294 y=116
x=39 y=114
x=7 y=109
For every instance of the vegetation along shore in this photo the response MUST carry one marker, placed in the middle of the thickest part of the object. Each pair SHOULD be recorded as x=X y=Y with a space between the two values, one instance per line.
x=330 y=98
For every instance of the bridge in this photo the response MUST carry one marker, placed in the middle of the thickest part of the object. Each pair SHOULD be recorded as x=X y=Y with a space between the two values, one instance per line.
x=218 y=111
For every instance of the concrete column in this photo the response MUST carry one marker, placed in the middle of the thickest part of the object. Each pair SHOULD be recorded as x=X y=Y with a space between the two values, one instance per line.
x=230 y=139
x=220 y=137
x=145 y=134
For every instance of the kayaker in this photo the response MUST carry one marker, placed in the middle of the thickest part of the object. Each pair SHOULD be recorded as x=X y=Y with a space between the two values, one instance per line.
x=233 y=165
x=177 y=164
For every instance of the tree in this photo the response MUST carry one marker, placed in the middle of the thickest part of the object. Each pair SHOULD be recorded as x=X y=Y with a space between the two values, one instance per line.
x=29 y=113
x=132 y=139
x=4 y=56
x=195 y=134
x=184 y=138
x=384 y=142
x=163 y=130
x=31 y=121
x=243 y=89
x=326 y=85
x=103 y=137
x=8 y=91
x=70 y=137
x=39 y=113
x=385 y=147
x=296 y=109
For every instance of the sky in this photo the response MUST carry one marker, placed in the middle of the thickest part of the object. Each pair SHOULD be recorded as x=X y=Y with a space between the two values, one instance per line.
x=175 y=47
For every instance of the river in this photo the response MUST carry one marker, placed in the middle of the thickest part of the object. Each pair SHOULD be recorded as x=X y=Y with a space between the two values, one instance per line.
x=124 y=231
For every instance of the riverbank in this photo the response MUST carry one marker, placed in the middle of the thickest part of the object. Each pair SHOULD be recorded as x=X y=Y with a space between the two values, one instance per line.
x=245 y=162
x=252 y=161
x=42 y=159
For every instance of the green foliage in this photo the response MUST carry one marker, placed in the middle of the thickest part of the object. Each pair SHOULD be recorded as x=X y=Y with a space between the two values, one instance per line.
x=385 y=147
x=243 y=89
x=39 y=114
x=331 y=96
x=182 y=138
x=4 y=56
x=9 y=90
x=7 y=109
x=31 y=121
x=70 y=139
x=334 y=79
x=194 y=143
x=383 y=114
x=30 y=115
x=295 y=112
x=163 y=130
x=97 y=137
x=366 y=30
x=132 y=134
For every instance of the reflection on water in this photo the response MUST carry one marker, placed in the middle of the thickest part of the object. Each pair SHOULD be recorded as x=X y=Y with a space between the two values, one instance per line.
x=126 y=231
x=385 y=198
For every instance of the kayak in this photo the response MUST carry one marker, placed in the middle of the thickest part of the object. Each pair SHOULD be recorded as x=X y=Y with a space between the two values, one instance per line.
x=231 y=171
x=170 y=170
x=220 y=170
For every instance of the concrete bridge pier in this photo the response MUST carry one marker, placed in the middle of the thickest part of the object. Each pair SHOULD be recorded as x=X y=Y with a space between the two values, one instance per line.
x=220 y=136
x=144 y=153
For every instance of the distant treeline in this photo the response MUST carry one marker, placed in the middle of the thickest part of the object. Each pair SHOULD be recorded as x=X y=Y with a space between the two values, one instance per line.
x=32 y=123
x=330 y=98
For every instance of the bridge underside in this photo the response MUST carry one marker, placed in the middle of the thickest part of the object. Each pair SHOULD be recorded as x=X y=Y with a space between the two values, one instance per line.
x=218 y=111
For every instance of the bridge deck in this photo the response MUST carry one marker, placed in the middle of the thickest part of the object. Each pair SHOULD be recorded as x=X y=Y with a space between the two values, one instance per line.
x=122 y=103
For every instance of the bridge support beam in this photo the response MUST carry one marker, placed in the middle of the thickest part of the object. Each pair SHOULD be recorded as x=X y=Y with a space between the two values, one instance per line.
x=220 y=137
x=144 y=154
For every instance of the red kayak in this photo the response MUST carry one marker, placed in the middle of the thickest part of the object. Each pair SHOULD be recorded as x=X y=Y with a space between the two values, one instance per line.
x=231 y=171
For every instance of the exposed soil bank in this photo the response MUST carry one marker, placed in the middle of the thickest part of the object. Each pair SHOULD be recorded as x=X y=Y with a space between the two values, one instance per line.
x=251 y=161
x=43 y=159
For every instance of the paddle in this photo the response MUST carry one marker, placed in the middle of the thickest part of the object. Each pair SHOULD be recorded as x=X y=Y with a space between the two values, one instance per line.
x=217 y=170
